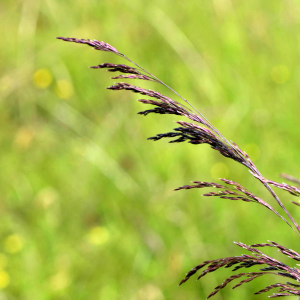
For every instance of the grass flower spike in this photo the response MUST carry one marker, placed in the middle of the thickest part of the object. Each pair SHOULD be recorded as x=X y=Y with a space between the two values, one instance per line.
x=197 y=130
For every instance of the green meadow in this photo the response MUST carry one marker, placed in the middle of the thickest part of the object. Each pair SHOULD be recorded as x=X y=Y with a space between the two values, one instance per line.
x=87 y=206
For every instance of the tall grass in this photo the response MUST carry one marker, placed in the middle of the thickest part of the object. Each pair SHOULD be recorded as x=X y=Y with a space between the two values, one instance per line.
x=86 y=203
x=206 y=133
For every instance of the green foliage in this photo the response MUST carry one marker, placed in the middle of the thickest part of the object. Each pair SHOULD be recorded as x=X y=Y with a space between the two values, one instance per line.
x=87 y=208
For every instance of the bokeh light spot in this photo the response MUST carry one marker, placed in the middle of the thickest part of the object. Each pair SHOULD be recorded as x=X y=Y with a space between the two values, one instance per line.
x=59 y=281
x=149 y=292
x=46 y=197
x=42 y=78
x=98 y=235
x=23 y=138
x=4 y=279
x=219 y=170
x=280 y=74
x=64 y=89
x=5 y=83
x=13 y=244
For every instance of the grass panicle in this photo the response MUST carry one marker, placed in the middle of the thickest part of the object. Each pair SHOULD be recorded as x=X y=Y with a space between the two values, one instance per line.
x=205 y=133
x=273 y=267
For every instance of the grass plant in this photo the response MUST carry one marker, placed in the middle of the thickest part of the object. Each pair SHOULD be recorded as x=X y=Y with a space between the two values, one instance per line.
x=205 y=133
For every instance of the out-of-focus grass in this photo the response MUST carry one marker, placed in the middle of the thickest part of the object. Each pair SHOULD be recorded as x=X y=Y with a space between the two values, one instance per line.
x=87 y=208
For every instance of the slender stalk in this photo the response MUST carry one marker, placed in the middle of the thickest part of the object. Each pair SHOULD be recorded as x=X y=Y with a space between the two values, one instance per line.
x=249 y=166
x=239 y=156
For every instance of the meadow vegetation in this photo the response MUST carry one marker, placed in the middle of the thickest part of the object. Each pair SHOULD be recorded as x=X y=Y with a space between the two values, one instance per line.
x=87 y=204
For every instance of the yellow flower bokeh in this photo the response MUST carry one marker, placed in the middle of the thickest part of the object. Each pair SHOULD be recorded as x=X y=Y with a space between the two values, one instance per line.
x=98 y=235
x=59 y=281
x=23 y=138
x=63 y=89
x=42 y=78
x=13 y=244
x=4 y=280
x=46 y=197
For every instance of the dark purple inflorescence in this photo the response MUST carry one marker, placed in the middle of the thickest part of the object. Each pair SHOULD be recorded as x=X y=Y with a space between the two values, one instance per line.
x=273 y=266
x=208 y=134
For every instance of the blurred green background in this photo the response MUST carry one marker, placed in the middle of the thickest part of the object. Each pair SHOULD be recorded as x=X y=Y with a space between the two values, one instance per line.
x=87 y=203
